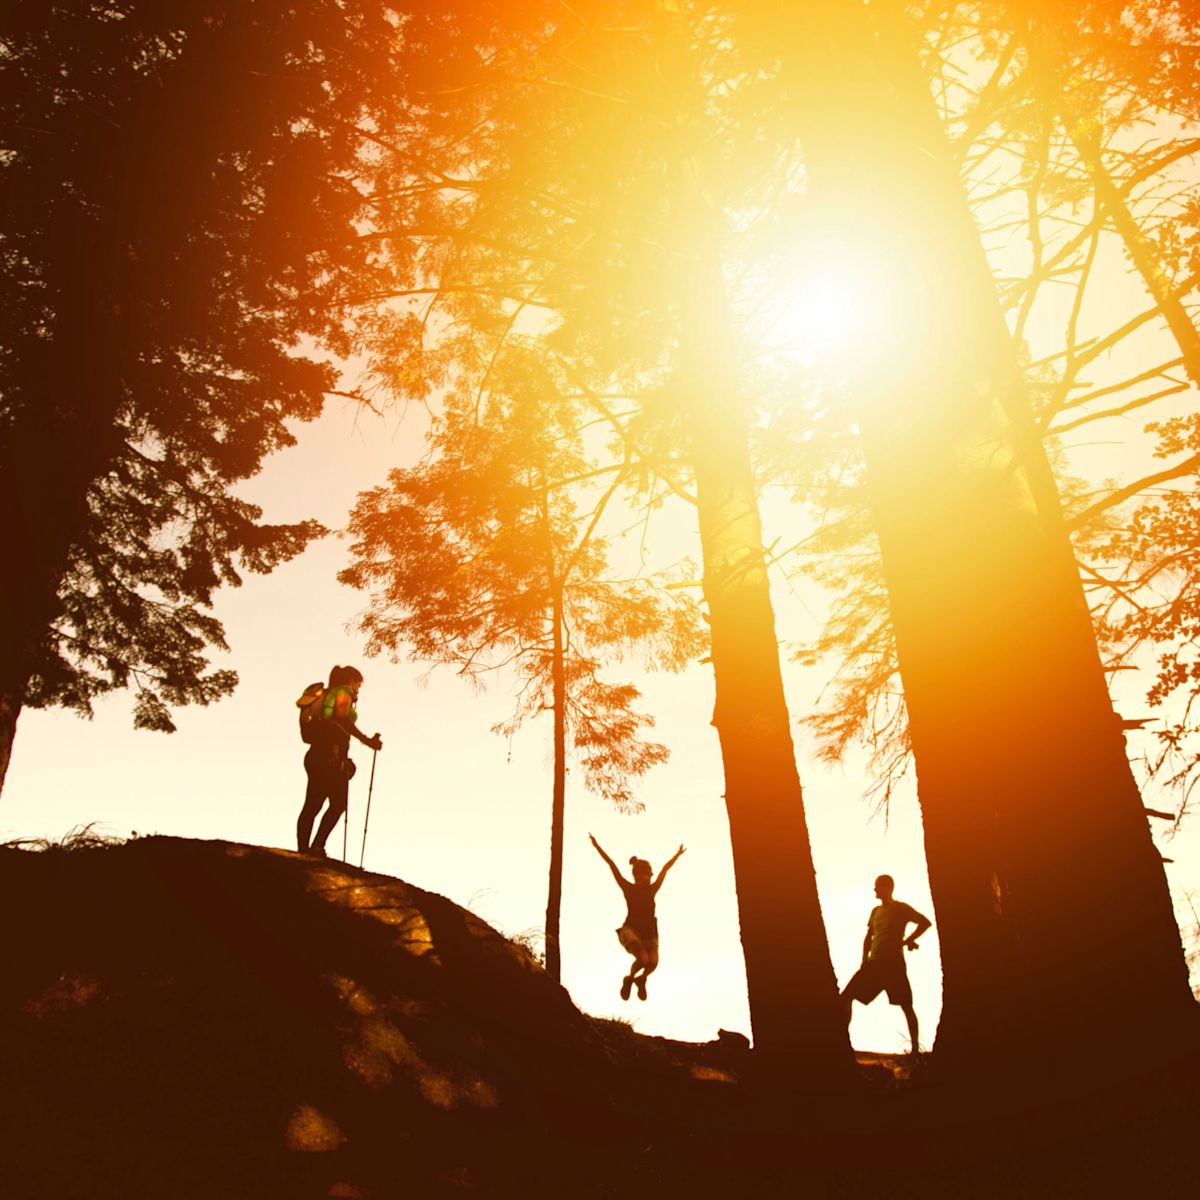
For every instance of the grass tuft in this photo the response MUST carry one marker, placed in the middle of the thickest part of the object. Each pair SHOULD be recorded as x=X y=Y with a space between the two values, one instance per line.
x=80 y=837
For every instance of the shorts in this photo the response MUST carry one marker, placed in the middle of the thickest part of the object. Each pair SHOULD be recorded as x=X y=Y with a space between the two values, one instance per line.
x=638 y=943
x=880 y=975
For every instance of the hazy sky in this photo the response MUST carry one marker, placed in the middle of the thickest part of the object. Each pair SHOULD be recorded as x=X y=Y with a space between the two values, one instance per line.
x=459 y=810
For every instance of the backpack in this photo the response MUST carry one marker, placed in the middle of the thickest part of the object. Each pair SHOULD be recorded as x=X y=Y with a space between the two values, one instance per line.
x=312 y=710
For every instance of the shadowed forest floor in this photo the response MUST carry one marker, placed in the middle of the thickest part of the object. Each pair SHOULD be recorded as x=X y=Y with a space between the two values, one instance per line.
x=204 y=1019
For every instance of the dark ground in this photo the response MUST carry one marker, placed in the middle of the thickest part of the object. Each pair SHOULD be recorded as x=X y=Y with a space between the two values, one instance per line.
x=203 y=1019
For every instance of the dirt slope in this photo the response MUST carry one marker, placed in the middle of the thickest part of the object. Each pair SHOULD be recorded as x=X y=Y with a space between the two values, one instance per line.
x=183 y=1019
x=189 y=1018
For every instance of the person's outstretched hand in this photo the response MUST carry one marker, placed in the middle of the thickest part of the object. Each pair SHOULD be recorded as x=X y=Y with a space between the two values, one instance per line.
x=682 y=849
x=376 y=743
x=913 y=944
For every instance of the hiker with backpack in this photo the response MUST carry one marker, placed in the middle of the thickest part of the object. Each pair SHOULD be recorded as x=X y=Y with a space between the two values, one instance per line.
x=328 y=719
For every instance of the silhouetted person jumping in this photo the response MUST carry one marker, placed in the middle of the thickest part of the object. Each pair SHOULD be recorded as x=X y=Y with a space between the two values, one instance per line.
x=327 y=721
x=883 y=966
x=639 y=934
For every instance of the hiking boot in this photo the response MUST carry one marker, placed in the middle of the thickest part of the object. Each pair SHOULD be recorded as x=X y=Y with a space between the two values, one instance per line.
x=626 y=987
x=641 y=987
x=318 y=852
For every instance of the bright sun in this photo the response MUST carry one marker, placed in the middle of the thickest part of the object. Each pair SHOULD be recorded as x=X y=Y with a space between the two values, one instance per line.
x=839 y=294
x=820 y=314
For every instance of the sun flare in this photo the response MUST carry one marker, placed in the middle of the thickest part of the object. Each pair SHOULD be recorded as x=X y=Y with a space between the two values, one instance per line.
x=836 y=301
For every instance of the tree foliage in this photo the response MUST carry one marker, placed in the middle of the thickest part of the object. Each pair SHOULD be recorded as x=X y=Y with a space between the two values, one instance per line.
x=178 y=203
x=464 y=553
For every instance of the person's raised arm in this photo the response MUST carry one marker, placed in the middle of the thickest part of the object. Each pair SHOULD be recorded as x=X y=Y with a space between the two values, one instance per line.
x=612 y=866
x=667 y=866
x=922 y=923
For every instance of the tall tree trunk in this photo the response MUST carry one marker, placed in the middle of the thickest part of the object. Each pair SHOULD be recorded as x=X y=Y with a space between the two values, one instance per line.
x=1056 y=927
x=797 y=1020
x=12 y=699
x=799 y=1028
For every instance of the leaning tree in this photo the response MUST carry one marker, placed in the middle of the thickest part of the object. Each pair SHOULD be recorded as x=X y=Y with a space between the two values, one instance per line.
x=177 y=214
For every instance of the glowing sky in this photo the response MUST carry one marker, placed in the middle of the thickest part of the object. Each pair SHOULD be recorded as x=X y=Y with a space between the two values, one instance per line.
x=458 y=810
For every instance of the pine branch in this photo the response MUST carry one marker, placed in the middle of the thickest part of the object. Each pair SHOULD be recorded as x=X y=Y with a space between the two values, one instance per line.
x=1187 y=467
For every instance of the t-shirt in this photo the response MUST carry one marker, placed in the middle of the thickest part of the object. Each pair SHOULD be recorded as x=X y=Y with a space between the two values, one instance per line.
x=339 y=704
x=640 y=903
x=332 y=735
x=886 y=925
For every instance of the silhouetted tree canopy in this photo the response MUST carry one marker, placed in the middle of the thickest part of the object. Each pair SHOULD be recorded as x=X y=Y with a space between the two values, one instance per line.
x=464 y=554
x=178 y=200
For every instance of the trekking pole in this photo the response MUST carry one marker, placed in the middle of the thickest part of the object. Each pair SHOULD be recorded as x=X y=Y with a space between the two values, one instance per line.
x=367 y=818
x=346 y=827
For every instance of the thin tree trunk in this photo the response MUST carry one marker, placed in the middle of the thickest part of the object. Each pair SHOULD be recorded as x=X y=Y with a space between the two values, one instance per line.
x=558 y=701
x=10 y=710
x=1055 y=924
x=1044 y=39
x=558 y=805
x=1143 y=255
x=1046 y=56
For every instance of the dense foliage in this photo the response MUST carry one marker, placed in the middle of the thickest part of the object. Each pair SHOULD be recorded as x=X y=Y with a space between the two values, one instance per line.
x=178 y=202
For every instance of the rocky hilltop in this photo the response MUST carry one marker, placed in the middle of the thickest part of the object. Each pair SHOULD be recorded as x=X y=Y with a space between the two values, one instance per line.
x=184 y=1019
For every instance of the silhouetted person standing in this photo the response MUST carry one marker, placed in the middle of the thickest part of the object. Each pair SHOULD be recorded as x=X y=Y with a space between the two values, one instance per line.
x=883 y=968
x=328 y=763
x=639 y=933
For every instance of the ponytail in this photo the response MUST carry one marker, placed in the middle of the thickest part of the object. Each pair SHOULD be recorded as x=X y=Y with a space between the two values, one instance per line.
x=340 y=676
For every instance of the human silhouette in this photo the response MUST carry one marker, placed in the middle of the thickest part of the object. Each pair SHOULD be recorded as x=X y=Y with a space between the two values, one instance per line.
x=639 y=933
x=883 y=968
x=328 y=763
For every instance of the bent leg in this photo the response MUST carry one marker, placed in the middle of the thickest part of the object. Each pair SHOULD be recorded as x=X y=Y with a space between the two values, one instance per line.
x=647 y=962
x=627 y=982
x=847 y=1006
